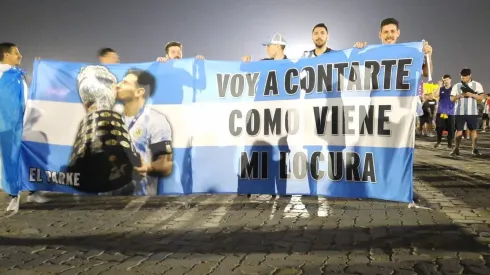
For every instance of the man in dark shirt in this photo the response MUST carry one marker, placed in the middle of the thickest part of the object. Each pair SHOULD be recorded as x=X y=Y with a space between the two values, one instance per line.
x=319 y=35
x=445 y=111
x=429 y=108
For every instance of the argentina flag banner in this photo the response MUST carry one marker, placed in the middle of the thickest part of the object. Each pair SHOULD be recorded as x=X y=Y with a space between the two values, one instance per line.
x=338 y=125
x=12 y=98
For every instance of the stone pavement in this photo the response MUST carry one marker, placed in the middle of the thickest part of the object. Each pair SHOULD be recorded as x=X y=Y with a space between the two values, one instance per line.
x=229 y=235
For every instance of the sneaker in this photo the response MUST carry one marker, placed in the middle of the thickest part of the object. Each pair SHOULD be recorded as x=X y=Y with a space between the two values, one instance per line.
x=38 y=198
x=437 y=145
x=14 y=204
x=475 y=153
x=455 y=152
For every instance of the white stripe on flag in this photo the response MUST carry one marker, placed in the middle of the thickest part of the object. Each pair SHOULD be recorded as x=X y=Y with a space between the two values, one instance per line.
x=208 y=123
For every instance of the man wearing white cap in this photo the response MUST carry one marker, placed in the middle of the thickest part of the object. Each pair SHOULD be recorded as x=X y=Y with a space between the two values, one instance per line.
x=275 y=48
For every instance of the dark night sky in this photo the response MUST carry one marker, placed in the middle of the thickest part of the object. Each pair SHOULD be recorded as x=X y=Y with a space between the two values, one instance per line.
x=74 y=30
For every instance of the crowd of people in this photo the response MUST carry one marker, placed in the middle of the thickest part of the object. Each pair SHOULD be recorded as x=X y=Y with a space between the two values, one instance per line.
x=455 y=109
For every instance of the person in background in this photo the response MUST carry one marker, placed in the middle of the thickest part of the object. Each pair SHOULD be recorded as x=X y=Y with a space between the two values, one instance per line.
x=173 y=50
x=429 y=108
x=108 y=56
x=445 y=111
x=486 y=110
x=466 y=96
x=10 y=57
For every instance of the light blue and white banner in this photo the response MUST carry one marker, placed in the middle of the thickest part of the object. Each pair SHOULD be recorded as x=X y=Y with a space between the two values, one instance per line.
x=339 y=125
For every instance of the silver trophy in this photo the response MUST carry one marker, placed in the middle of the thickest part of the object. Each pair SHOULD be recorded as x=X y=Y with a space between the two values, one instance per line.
x=103 y=153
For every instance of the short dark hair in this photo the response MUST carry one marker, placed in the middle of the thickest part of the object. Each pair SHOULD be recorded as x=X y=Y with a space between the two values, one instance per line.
x=6 y=47
x=465 y=72
x=172 y=44
x=446 y=76
x=104 y=51
x=320 y=25
x=389 y=21
x=144 y=80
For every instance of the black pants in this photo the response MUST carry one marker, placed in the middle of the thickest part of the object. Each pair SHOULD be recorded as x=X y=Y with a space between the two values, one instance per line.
x=445 y=124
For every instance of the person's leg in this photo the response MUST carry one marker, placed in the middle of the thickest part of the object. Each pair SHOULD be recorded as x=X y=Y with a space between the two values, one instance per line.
x=484 y=122
x=421 y=125
x=472 y=123
x=450 y=130
x=429 y=126
x=460 y=122
x=440 y=126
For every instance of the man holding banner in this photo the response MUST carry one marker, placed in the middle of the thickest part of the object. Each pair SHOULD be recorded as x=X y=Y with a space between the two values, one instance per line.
x=12 y=122
x=149 y=129
x=275 y=47
x=173 y=50
x=319 y=36
x=389 y=34
x=108 y=56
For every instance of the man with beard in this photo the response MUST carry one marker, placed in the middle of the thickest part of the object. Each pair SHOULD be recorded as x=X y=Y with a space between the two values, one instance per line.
x=389 y=33
x=173 y=50
x=149 y=129
x=319 y=37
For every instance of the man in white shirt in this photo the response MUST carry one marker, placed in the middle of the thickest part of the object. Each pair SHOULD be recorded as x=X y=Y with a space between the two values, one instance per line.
x=466 y=96
x=10 y=57
x=150 y=132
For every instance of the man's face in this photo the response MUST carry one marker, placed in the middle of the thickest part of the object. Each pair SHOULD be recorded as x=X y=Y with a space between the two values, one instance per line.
x=110 y=58
x=174 y=52
x=13 y=57
x=319 y=37
x=272 y=50
x=389 y=34
x=128 y=89
x=447 y=81
x=466 y=79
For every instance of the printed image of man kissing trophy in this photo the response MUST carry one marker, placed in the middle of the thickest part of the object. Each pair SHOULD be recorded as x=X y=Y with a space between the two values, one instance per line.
x=103 y=153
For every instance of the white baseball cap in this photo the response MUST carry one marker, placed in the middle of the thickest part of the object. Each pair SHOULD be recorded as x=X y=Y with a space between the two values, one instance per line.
x=276 y=39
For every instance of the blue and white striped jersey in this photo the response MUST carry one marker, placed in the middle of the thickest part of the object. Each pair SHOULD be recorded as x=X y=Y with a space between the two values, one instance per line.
x=466 y=106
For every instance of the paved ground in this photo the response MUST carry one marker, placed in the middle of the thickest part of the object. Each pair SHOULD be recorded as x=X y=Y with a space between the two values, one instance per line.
x=229 y=235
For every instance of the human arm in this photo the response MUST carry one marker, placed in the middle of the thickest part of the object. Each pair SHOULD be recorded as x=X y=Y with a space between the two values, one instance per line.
x=479 y=96
x=455 y=95
x=160 y=147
